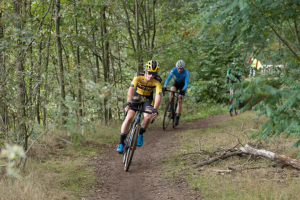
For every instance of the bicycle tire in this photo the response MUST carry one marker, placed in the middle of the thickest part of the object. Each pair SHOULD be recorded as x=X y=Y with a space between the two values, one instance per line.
x=131 y=149
x=167 y=118
x=174 y=112
x=125 y=150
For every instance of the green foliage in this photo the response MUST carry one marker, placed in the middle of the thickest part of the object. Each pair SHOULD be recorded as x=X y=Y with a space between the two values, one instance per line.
x=207 y=35
x=280 y=105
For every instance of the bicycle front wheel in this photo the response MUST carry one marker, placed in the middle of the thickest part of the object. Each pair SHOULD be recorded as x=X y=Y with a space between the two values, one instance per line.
x=131 y=148
x=174 y=115
x=126 y=144
x=167 y=116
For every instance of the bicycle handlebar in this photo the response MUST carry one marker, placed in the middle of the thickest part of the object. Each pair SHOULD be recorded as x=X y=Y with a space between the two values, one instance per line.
x=142 y=111
x=171 y=91
x=174 y=92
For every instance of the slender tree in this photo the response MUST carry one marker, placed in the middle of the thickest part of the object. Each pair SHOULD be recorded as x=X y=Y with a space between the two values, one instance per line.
x=63 y=108
x=79 y=95
x=3 y=78
x=105 y=60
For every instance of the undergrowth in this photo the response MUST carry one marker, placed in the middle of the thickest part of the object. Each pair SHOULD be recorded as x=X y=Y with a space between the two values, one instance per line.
x=250 y=177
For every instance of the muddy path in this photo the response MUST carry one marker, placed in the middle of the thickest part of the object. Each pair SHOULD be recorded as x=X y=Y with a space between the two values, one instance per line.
x=143 y=181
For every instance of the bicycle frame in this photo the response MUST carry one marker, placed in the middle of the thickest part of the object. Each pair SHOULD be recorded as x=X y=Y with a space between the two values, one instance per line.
x=131 y=141
x=136 y=121
x=171 y=115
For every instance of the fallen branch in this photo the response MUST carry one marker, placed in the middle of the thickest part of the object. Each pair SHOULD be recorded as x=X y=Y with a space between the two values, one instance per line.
x=223 y=171
x=282 y=159
x=271 y=179
x=221 y=156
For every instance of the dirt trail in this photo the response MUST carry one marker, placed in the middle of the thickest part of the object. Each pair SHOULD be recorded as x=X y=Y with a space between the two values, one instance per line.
x=144 y=181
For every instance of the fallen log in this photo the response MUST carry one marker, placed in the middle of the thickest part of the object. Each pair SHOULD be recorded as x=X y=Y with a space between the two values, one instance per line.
x=282 y=159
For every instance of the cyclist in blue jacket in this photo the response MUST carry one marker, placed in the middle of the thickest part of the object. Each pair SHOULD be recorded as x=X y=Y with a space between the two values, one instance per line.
x=181 y=83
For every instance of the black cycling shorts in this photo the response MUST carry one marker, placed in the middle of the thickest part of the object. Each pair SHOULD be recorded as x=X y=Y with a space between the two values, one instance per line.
x=145 y=101
x=178 y=85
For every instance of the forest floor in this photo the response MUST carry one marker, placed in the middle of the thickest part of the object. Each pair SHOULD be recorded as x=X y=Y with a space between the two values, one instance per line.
x=145 y=179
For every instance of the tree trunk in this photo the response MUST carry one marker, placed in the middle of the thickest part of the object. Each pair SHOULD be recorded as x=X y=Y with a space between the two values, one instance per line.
x=79 y=111
x=97 y=66
x=296 y=32
x=63 y=107
x=46 y=86
x=121 y=77
x=154 y=27
x=105 y=61
x=21 y=88
x=139 y=62
x=128 y=26
x=3 y=107
x=115 y=84
x=38 y=96
x=96 y=57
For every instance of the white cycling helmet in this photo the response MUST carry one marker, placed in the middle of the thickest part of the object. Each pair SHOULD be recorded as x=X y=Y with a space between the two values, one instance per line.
x=180 y=64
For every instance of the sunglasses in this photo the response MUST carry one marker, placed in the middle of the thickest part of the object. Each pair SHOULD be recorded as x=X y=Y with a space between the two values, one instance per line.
x=152 y=73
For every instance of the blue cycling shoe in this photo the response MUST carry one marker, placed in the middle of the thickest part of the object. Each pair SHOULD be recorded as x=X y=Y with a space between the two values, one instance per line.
x=140 y=140
x=120 y=148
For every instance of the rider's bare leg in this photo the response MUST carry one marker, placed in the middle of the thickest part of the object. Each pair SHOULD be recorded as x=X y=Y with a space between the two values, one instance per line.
x=172 y=89
x=179 y=105
x=147 y=119
x=127 y=121
x=124 y=129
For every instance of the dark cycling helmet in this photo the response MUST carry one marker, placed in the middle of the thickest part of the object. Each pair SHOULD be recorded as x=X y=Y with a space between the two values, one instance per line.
x=180 y=64
x=152 y=66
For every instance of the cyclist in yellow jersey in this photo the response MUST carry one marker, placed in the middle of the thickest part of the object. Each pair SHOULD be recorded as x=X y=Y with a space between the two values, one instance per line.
x=141 y=92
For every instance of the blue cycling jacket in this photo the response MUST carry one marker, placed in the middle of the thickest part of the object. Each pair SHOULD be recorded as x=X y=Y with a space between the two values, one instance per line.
x=179 y=77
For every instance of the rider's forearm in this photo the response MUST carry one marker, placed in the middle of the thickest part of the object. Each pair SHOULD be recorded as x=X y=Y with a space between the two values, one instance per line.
x=130 y=93
x=168 y=80
x=186 y=83
x=157 y=101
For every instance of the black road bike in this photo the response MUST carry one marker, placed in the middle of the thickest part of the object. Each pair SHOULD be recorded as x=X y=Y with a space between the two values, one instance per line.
x=170 y=112
x=131 y=140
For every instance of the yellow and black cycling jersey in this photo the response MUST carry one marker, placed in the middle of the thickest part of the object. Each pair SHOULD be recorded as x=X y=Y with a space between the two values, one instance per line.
x=146 y=88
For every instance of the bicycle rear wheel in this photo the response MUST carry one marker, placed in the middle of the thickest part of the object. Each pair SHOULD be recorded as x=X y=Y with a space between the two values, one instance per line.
x=131 y=148
x=167 y=116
